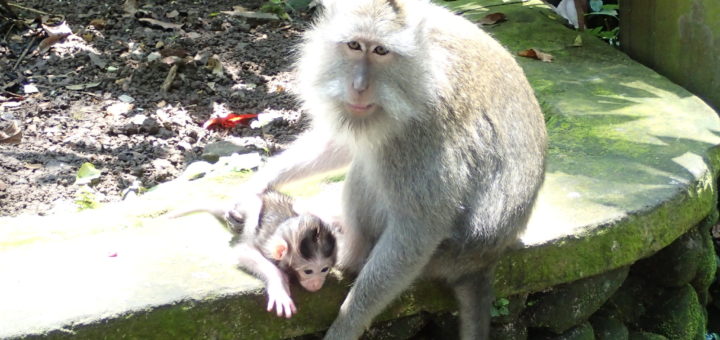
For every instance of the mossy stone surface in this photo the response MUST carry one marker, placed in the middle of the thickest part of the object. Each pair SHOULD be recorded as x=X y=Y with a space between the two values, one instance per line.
x=509 y=331
x=583 y=331
x=570 y=304
x=606 y=328
x=677 y=314
x=646 y=336
x=676 y=264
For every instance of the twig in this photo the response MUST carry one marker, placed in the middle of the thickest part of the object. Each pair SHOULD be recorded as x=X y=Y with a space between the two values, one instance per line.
x=12 y=94
x=169 y=79
x=12 y=25
x=22 y=56
x=29 y=9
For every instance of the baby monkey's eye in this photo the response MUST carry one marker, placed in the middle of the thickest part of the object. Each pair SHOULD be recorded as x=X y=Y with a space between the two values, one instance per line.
x=308 y=271
x=325 y=269
x=354 y=45
x=380 y=50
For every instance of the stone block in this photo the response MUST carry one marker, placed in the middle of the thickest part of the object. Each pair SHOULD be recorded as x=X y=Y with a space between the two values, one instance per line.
x=607 y=328
x=570 y=304
x=676 y=314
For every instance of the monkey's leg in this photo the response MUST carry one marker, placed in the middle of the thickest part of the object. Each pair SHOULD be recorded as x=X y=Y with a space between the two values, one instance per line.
x=397 y=259
x=276 y=282
x=474 y=296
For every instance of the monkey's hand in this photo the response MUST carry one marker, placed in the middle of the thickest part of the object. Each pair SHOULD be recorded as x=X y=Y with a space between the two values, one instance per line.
x=279 y=299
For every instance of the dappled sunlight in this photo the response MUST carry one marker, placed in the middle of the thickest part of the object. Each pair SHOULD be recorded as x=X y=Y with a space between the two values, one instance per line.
x=572 y=204
x=664 y=113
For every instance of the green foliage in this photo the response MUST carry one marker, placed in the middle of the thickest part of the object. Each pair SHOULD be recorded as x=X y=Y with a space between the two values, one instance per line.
x=282 y=8
x=277 y=7
x=500 y=307
x=608 y=30
x=87 y=174
x=85 y=199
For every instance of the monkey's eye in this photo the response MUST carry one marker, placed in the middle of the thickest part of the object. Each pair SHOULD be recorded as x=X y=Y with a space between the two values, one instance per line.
x=308 y=271
x=381 y=50
x=325 y=269
x=354 y=45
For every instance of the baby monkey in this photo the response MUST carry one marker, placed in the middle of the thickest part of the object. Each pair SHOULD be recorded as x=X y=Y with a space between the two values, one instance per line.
x=284 y=245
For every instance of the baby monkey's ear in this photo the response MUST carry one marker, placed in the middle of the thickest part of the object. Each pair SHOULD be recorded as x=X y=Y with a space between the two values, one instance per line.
x=278 y=248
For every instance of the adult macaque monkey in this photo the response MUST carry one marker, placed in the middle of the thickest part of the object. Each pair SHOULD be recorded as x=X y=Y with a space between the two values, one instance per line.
x=445 y=144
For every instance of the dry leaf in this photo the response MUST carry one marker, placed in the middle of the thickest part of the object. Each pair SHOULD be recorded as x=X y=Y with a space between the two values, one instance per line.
x=33 y=166
x=88 y=36
x=243 y=12
x=161 y=24
x=59 y=29
x=174 y=52
x=55 y=34
x=10 y=133
x=492 y=19
x=98 y=23
x=79 y=87
x=172 y=14
x=215 y=65
x=536 y=54
x=578 y=41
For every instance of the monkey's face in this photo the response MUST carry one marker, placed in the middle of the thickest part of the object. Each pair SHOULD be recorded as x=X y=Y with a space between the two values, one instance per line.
x=311 y=275
x=364 y=59
x=361 y=69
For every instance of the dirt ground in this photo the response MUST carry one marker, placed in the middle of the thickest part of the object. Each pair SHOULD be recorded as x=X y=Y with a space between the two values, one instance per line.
x=92 y=91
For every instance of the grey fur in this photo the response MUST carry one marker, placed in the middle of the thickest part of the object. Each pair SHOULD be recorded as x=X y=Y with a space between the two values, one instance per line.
x=443 y=174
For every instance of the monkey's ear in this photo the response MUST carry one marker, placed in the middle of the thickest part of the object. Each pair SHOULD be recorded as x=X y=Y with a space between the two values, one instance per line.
x=279 y=249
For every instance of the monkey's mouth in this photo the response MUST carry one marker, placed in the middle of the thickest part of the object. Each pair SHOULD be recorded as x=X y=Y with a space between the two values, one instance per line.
x=360 y=110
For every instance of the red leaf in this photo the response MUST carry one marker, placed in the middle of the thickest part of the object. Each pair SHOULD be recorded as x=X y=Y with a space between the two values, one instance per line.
x=229 y=121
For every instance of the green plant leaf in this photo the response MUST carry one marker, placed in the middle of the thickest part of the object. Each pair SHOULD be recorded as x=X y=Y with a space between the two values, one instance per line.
x=298 y=5
x=596 y=5
x=85 y=198
x=86 y=174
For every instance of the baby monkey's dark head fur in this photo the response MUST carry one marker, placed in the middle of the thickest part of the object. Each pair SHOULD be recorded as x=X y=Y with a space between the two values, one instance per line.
x=317 y=241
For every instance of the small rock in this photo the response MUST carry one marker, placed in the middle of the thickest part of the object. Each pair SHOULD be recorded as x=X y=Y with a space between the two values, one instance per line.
x=154 y=56
x=185 y=146
x=30 y=88
x=126 y=99
x=214 y=151
x=138 y=119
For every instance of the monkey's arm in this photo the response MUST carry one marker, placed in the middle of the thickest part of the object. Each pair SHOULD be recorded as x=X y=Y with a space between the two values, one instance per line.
x=312 y=153
x=397 y=259
x=276 y=281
